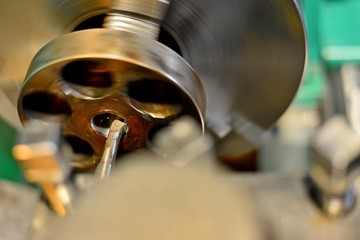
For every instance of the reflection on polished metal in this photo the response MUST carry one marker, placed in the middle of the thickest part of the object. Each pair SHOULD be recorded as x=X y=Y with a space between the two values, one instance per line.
x=249 y=54
x=117 y=75
x=142 y=17
x=117 y=131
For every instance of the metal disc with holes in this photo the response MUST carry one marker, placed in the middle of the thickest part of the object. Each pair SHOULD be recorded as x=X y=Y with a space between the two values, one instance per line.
x=86 y=85
x=249 y=54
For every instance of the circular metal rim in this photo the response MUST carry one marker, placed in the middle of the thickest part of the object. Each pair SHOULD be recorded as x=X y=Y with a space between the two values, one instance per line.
x=124 y=50
x=112 y=47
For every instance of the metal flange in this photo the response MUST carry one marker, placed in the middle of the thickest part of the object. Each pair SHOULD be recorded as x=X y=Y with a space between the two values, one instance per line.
x=89 y=78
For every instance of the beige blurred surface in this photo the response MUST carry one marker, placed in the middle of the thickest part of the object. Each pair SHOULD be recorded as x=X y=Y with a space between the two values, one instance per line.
x=152 y=199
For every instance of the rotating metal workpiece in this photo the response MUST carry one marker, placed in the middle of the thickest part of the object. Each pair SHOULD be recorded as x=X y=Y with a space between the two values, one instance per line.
x=114 y=72
x=88 y=79
x=248 y=54
x=117 y=75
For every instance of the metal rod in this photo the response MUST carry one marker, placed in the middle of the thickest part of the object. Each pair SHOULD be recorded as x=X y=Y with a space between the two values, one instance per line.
x=116 y=132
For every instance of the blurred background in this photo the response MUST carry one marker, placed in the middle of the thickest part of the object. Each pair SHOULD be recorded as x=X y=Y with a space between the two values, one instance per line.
x=333 y=56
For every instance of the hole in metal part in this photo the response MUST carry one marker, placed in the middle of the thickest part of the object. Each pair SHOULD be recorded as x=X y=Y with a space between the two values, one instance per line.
x=82 y=152
x=101 y=123
x=48 y=106
x=156 y=98
x=87 y=73
x=92 y=22
x=154 y=91
x=168 y=40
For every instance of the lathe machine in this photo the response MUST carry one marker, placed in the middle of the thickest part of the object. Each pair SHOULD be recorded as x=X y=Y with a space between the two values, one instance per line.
x=131 y=113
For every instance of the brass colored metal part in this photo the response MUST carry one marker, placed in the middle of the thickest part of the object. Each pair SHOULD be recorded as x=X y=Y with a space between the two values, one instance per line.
x=141 y=17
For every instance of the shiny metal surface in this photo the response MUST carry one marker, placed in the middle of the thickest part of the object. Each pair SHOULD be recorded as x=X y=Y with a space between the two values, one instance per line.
x=139 y=16
x=249 y=54
x=116 y=132
x=117 y=75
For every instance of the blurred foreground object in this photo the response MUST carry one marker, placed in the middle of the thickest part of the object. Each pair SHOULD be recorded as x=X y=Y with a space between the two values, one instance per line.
x=336 y=166
x=147 y=196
